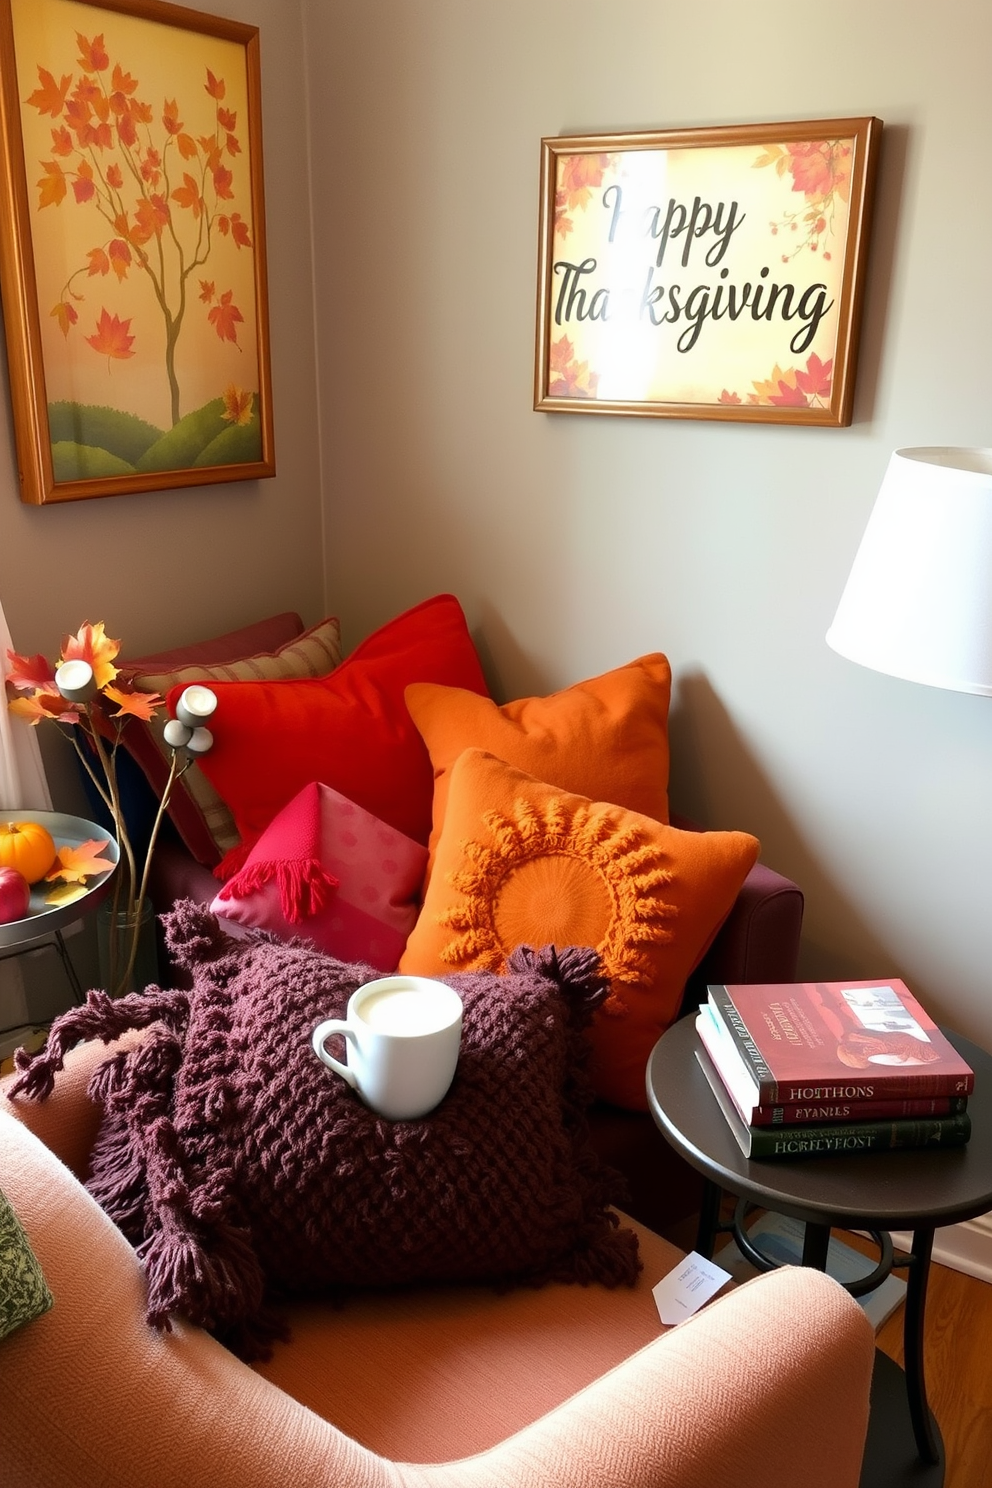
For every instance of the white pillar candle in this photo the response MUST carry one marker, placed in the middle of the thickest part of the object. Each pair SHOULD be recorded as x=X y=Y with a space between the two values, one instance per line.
x=195 y=705
x=199 y=741
x=75 y=681
x=176 y=734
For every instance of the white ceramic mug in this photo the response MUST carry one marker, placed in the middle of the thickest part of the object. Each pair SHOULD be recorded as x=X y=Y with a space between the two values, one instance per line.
x=402 y=1035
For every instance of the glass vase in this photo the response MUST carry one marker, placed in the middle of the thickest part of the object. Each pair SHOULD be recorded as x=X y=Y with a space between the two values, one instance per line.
x=145 y=972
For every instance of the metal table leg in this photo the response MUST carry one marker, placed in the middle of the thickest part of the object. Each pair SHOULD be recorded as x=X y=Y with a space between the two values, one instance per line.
x=916 y=1386
x=709 y=1219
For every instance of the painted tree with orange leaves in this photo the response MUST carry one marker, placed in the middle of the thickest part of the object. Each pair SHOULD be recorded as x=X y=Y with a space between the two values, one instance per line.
x=161 y=192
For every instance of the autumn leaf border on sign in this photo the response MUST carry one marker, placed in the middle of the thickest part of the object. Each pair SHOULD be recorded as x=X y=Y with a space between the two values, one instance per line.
x=821 y=171
x=577 y=175
x=569 y=378
x=795 y=387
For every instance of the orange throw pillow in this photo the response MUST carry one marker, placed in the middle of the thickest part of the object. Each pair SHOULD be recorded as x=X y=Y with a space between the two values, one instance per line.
x=606 y=737
x=520 y=862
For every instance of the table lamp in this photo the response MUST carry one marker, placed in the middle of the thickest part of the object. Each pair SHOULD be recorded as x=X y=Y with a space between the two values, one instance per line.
x=918 y=601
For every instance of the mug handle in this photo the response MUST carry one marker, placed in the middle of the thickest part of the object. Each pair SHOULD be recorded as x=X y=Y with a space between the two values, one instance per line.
x=322 y=1032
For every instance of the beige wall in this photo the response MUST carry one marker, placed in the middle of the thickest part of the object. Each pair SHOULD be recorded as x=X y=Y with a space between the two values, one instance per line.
x=576 y=544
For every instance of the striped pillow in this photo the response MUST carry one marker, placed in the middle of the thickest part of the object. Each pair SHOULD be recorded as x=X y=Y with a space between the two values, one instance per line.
x=197 y=811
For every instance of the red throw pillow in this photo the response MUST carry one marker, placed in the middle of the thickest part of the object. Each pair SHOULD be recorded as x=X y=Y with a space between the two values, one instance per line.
x=279 y=647
x=350 y=729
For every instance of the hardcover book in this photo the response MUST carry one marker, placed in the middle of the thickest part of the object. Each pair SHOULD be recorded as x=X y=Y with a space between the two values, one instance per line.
x=834 y=1139
x=724 y=1056
x=838 y=1041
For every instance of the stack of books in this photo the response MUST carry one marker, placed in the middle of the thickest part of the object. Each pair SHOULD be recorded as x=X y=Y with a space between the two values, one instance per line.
x=802 y=1069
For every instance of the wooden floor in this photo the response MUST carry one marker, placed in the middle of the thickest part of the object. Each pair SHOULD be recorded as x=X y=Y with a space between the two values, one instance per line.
x=957 y=1361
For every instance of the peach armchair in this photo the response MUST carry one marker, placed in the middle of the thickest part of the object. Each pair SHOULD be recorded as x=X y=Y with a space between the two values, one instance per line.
x=557 y=1387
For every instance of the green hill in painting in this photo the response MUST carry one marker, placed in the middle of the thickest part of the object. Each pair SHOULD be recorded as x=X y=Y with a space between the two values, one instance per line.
x=94 y=427
x=90 y=441
x=72 y=461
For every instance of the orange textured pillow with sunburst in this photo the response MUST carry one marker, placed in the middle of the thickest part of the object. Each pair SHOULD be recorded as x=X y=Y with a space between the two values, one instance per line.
x=519 y=862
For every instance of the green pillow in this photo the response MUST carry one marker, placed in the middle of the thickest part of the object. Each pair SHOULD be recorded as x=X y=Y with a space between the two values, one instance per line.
x=24 y=1294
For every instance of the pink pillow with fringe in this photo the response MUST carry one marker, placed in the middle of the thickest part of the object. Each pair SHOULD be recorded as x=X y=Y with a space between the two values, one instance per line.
x=331 y=872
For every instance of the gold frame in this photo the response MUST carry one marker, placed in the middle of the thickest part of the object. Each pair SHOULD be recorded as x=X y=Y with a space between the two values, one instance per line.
x=818 y=174
x=245 y=450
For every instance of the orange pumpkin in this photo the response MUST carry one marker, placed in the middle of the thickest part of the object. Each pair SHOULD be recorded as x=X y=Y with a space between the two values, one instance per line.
x=28 y=847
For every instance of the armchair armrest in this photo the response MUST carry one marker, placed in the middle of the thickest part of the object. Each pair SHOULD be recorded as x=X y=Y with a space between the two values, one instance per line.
x=770 y=1380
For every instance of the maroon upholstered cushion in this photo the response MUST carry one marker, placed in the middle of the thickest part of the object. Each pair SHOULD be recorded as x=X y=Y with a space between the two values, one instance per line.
x=245 y=1171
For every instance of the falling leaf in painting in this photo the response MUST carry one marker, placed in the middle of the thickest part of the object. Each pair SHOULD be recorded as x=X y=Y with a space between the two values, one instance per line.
x=237 y=405
x=726 y=397
x=112 y=338
x=225 y=317
x=215 y=86
x=206 y=290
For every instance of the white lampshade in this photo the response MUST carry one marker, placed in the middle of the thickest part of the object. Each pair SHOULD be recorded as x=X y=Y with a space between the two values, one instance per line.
x=918 y=602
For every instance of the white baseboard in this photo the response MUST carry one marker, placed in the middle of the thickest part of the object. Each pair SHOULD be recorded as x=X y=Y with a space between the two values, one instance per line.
x=964 y=1247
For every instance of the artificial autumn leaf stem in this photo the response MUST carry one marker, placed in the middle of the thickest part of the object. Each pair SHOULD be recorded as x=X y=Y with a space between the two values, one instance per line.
x=78 y=691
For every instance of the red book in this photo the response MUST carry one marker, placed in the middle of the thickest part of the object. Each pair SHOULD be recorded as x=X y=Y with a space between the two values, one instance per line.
x=809 y=1042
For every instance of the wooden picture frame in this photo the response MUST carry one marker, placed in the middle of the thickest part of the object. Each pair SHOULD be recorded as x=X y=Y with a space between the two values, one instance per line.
x=132 y=247
x=705 y=273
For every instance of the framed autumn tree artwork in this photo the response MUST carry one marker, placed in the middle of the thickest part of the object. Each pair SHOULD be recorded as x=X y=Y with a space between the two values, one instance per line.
x=705 y=273
x=132 y=247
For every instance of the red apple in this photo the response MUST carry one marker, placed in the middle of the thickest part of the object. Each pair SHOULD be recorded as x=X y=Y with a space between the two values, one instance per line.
x=15 y=895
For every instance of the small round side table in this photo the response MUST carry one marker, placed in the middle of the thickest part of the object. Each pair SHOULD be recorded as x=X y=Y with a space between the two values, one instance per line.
x=879 y=1191
x=44 y=923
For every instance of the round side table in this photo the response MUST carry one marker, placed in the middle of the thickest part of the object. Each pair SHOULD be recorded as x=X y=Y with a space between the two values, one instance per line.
x=880 y=1191
x=44 y=923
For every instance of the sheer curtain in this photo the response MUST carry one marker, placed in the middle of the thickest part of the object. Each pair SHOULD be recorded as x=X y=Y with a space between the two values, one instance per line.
x=23 y=785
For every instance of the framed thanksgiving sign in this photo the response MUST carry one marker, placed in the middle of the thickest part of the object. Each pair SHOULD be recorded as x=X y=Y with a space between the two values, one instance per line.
x=132 y=247
x=705 y=273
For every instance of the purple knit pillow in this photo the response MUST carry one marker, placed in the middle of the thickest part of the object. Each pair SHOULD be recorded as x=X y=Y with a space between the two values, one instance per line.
x=244 y=1171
